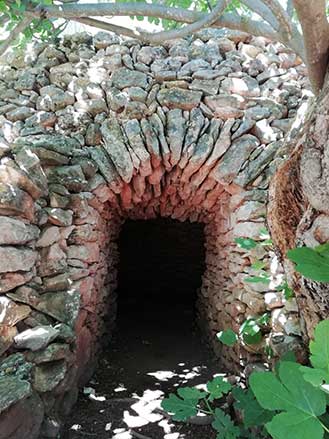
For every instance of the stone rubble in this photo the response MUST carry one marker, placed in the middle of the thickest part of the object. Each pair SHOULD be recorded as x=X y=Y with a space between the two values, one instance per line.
x=101 y=129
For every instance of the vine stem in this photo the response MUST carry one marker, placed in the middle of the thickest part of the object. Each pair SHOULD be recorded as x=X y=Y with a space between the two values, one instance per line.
x=324 y=427
x=209 y=406
x=206 y=412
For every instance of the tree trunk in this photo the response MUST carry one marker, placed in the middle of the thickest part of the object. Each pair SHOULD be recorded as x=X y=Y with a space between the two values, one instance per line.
x=298 y=211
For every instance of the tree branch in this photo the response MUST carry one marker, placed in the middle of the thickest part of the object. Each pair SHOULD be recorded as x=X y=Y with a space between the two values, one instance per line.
x=181 y=15
x=23 y=24
x=206 y=21
x=263 y=11
x=120 y=30
x=280 y=14
x=155 y=38
x=313 y=19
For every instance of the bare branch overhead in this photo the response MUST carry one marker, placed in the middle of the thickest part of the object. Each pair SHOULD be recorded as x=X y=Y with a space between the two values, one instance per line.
x=229 y=20
x=313 y=19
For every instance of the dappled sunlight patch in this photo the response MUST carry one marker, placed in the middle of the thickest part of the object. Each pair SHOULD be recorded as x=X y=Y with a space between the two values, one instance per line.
x=121 y=433
x=120 y=388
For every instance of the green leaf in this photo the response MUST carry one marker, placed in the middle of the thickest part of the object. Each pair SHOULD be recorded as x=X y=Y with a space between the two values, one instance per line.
x=224 y=425
x=258 y=265
x=191 y=393
x=264 y=319
x=227 y=337
x=323 y=249
x=310 y=263
x=253 y=413
x=246 y=243
x=319 y=348
x=295 y=425
x=217 y=388
x=182 y=409
x=263 y=278
x=251 y=332
x=301 y=402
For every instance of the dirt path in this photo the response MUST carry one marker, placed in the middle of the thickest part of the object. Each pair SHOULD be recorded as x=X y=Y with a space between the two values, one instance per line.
x=147 y=360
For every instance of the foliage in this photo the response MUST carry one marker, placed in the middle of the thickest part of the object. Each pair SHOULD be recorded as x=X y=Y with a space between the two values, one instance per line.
x=288 y=402
x=319 y=348
x=13 y=12
x=313 y=263
x=224 y=425
x=253 y=413
x=250 y=331
x=192 y=401
x=298 y=402
x=228 y=337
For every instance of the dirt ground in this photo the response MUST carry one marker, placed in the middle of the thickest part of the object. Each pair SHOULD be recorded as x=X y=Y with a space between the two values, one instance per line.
x=156 y=346
x=145 y=362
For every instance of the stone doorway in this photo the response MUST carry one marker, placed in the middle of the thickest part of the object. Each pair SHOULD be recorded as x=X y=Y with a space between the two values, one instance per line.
x=156 y=344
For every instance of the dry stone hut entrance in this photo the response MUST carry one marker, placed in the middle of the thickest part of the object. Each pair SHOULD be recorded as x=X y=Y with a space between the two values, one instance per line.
x=159 y=277
x=160 y=270
x=98 y=131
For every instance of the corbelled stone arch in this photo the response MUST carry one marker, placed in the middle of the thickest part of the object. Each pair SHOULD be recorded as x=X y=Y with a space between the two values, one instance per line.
x=98 y=130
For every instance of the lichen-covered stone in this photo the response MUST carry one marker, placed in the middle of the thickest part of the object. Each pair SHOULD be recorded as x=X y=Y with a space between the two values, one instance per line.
x=124 y=77
x=60 y=217
x=115 y=146
x=14 y=231
x=14 y=201
x=16 y=259
x=179 y=98
x=234 y=158
x=47 y=376
x=12 y=390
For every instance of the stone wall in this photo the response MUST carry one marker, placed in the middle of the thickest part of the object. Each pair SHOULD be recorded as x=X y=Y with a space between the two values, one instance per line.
x=98 y=130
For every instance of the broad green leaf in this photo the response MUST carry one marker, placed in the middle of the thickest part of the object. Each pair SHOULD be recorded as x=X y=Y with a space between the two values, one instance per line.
x=227 y=337
x=246 y=243
x=217 y=388
x=301 y=402
x=181 y=409
x=253 y=413
x=310 y=263
x=319 y=348
x=191 y=393
x=224 y=425
x=295 y=425
x=269 y=391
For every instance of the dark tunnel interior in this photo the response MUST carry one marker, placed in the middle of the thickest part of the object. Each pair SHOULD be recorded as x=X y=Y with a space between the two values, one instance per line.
x=160 y=271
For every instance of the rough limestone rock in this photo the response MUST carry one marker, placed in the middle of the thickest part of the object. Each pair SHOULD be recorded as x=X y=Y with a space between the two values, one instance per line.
x=12 y=390
x=16 y=259
x=36 y=338
x=14 y=231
